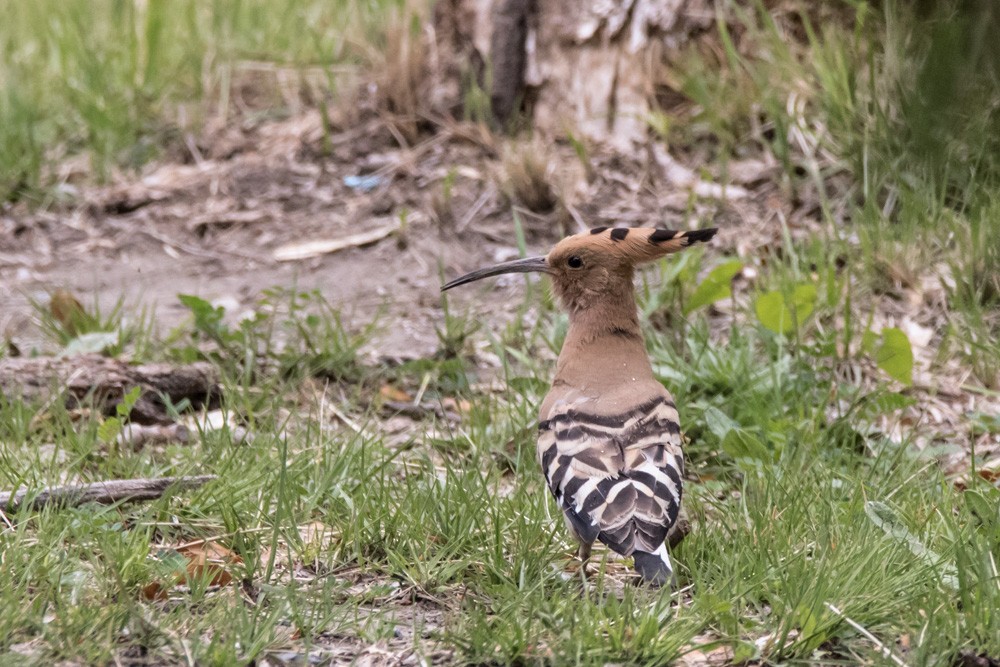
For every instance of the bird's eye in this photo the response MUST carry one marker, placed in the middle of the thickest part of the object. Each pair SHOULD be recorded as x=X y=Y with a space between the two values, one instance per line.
x=575 y=262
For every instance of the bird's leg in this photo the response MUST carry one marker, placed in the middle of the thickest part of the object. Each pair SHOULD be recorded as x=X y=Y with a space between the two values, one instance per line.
x=584 y=548
x=679 y=530
x=583 y=552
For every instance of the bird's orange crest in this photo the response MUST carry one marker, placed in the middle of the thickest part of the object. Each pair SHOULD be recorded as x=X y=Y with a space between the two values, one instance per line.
x=613 y=248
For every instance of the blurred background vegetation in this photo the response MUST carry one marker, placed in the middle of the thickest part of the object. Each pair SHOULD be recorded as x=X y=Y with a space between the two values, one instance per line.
x=908 y=91
x=118 y=80
x=889 y=110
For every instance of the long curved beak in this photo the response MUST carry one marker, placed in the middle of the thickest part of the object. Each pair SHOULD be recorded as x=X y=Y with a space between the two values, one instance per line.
x=526 y=265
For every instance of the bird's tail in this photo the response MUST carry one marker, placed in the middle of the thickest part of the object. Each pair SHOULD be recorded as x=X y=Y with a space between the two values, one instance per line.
x=655 y=567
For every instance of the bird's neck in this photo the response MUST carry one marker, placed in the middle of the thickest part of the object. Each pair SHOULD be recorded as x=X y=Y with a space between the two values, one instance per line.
x=604 y=346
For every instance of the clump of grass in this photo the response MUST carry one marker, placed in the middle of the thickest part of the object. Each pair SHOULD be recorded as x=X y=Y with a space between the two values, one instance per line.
x=452 y=336
x=442 y=203
x=886 y=91
x=295 y=334
x=977 y=271
x=74 y=328
x=527 y=176
x=403 y=88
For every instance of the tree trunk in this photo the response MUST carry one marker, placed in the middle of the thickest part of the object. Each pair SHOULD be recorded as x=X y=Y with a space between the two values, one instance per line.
x=591 y=67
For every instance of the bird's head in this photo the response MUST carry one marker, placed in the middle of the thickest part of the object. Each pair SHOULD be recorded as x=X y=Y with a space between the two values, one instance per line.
x=589 y=266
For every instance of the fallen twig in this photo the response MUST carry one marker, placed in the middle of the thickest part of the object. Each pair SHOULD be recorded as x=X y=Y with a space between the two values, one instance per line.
x=91 y=379
x=143 y=226
x=111 y=491
x=684 y=177
x=419 y=411
x=315 y=248
x=885 y=650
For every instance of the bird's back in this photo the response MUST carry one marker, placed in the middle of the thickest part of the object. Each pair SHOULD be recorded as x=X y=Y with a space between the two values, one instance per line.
x=616 y=472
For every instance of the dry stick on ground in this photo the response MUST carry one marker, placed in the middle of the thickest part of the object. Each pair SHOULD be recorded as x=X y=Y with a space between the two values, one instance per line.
x=885 y=650
x=111 y=491
x=105 y=381
x=145 y=227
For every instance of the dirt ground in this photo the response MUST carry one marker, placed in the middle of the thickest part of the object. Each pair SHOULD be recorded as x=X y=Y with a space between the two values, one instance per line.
x=250 y=206
x=215 y=222
x=211 y=227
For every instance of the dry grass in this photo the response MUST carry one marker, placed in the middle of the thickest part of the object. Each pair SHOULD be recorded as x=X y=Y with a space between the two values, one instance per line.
x=402 y=80
x=527 y=174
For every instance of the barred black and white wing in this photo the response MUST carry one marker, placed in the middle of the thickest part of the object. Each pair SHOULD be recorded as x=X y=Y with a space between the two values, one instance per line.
x=617 y=477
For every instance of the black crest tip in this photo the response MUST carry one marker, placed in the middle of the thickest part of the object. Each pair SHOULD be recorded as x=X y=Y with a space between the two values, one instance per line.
x=700 y=235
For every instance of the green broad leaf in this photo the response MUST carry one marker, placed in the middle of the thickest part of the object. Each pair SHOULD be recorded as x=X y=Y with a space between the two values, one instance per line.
x=90 y=343
x=782 y=315
x=719 y=423
x=744 y=652
x=869 y=341
x=124 y=409
x=886 y=518
x=987 y=510
x=807 y=620
x=715 y=287
x=109 y=429
x=741 y=444
x=167 y=563
x=895 y=356
x=207 y=318
x=715 y=605
x=770 y=308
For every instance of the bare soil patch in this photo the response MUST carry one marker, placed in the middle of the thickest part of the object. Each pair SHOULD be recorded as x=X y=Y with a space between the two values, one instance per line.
x=211 y=224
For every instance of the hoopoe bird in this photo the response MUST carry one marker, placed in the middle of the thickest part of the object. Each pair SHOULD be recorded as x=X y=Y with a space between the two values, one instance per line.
x=609 y=439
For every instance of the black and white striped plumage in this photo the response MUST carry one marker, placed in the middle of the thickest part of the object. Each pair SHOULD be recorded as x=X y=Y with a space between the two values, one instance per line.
x=617 y=476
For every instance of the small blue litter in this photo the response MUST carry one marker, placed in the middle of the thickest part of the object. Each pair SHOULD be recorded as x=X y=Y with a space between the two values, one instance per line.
x=363 y=183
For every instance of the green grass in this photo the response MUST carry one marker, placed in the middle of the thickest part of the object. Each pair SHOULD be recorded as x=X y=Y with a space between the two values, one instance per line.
x=456 y=519
x=120 y=82
x=885 y=117
x=809 y=520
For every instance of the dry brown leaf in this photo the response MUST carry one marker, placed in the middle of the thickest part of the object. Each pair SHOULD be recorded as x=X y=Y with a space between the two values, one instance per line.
x=208 y=559
x=154 y=591
x=230 y=218
x=460 y=405
x=205 y=561
x=390 y=393
x=67 y=310
x=716 y=656
x=990 y=471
